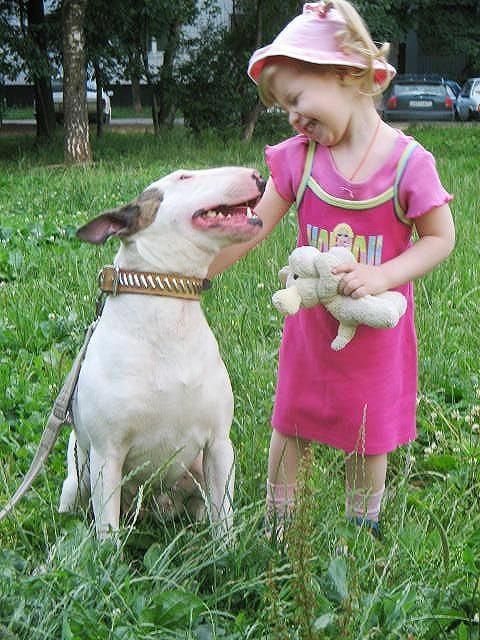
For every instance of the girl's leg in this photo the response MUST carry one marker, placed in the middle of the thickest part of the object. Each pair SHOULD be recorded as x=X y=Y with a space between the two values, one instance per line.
x=365 y=485
x=283 y=462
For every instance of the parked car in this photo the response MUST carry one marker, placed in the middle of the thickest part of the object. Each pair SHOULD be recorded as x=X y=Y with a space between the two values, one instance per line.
x=419 y=97
x=467 y=105
x=454 y=86
x=57 y=89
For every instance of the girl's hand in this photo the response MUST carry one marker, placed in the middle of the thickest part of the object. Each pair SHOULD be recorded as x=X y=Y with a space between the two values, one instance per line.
x=360 y=279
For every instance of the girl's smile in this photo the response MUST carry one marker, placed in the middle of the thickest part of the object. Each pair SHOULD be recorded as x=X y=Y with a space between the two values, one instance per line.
x=316 y=102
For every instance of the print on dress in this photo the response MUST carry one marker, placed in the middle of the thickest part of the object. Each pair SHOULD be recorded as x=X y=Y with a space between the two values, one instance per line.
x=366 y=249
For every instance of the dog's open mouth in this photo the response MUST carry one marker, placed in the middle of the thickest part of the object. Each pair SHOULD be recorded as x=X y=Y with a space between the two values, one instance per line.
x=236 y=217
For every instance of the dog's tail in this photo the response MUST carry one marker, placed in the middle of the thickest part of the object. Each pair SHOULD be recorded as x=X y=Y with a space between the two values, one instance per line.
x=58 y=417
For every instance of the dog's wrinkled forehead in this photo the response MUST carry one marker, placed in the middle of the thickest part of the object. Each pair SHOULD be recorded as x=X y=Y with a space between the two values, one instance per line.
x=227 y=184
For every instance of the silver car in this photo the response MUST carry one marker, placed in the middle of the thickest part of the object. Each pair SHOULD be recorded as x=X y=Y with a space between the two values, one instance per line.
x=467 y=105
x=91 y=90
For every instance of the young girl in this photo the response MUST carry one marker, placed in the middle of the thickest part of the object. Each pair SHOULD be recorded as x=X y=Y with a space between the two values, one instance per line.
x=358 y=182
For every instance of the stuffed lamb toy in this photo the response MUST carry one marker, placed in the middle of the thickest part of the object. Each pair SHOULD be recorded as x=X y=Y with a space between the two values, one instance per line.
x=309 y=281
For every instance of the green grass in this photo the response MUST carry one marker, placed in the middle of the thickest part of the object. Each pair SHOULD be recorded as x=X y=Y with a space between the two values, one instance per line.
x=18 y=113
x=172 y=580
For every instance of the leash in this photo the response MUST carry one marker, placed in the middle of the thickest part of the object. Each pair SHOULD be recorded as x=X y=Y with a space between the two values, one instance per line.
x=59 y=416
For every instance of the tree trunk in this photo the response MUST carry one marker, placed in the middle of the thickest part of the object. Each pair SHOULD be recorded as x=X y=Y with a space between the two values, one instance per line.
x=136 y=95
x=44 y=110
x=148 y=75
x=253 y=114
x=166 y=114
x=251 y=120
x=77 y=144
x=99 y=82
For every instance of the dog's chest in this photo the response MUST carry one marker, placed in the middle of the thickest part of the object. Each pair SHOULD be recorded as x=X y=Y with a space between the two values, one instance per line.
x=155 y=386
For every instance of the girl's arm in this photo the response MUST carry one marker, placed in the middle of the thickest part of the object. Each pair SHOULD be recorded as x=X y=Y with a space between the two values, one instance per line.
x=271 y=209
x=436 y=241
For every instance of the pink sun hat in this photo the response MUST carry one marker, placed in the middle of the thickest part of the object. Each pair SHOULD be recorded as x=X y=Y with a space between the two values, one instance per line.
x=310 y=37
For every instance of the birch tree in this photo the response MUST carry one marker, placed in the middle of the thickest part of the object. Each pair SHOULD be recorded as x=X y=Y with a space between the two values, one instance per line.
x=77 y=148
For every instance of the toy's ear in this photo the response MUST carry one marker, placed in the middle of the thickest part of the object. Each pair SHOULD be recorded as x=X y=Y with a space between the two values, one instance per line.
x=283 y=275
x=302 y=261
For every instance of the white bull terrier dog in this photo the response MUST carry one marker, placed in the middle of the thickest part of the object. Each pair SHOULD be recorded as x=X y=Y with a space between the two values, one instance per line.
x=153 y=402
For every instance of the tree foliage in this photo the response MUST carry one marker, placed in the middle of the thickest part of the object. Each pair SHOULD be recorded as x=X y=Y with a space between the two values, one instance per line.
x=215 y=91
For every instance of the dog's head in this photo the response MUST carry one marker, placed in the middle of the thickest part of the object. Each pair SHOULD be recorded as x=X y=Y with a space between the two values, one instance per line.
x=206 y=209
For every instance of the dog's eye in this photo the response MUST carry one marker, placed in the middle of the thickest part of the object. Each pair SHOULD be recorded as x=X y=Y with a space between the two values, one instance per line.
x=185 y=176
x=295 y=276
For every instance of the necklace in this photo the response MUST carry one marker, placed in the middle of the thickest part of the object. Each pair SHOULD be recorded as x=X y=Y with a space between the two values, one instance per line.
x=367 y=152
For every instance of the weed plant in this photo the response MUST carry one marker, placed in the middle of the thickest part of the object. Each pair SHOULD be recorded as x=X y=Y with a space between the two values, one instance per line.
x=173 y=579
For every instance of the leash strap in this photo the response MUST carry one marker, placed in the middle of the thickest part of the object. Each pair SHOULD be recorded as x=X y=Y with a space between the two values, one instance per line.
x=58 y=417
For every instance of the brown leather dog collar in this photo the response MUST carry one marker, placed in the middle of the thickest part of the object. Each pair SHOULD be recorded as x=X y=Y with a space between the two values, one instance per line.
x=114 y=280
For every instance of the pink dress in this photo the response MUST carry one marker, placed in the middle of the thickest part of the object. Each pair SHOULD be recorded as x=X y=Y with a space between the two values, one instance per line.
x=363 y=397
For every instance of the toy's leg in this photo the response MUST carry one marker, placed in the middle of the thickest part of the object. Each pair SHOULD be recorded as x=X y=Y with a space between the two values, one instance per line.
x=365 y=485
x=344 y=335
x=283 y=463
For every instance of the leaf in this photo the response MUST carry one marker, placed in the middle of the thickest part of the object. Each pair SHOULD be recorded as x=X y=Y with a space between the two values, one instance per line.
x=152 y=556
x=337 y=572
x=443 y=617
x=462 y=632
x=124 y=633
x=173 y=609
x=66 y=630
x=323 y=621
x=471 y=563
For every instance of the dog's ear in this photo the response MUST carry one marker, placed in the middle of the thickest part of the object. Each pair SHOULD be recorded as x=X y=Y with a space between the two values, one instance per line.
x=123 y=221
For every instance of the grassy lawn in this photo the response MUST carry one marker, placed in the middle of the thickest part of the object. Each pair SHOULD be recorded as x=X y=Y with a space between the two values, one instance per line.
x=171 y=580
x=27 y=113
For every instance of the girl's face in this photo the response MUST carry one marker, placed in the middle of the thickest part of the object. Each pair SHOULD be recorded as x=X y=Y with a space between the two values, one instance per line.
x=317 y=103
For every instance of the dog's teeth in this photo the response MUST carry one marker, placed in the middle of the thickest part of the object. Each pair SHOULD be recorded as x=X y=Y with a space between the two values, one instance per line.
x=249 y=213
x=211 y=214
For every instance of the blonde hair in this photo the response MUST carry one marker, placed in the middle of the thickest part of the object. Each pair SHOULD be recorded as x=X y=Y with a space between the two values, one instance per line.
x=354 y=39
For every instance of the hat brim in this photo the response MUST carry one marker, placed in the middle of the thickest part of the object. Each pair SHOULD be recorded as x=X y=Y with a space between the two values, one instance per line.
x=383 y=71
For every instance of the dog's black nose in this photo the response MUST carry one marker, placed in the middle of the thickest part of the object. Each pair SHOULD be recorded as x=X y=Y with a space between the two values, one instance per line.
x=261 y=183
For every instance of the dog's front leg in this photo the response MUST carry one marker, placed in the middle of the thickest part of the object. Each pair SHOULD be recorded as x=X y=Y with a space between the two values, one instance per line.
x=106 y=481
x=219 y=472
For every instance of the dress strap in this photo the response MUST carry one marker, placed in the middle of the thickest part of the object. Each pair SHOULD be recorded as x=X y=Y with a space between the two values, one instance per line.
x=306 y=172
x=402 y=163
